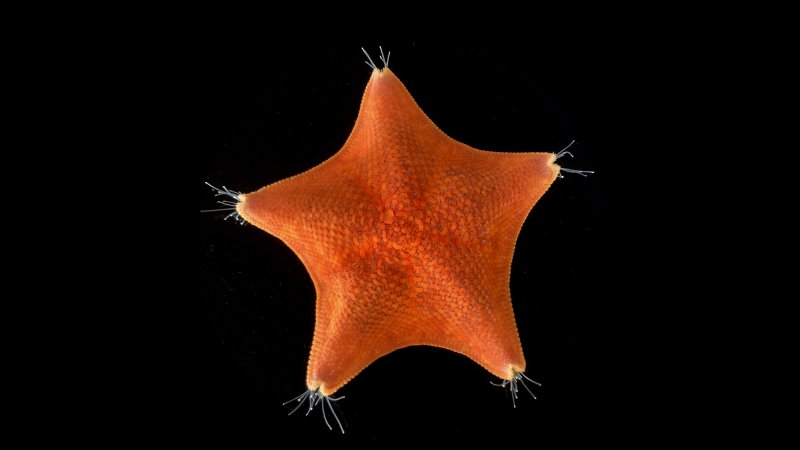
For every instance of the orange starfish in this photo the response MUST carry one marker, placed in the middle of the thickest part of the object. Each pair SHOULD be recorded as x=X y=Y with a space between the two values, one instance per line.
x=408 y=236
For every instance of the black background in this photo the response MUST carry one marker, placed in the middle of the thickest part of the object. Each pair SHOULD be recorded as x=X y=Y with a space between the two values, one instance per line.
x=277 y=110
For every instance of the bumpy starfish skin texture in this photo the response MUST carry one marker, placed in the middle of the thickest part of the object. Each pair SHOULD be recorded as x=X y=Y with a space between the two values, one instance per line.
x=408 y=236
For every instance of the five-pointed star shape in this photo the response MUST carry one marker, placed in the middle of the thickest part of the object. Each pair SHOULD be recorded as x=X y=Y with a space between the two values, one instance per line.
x=408 y=236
